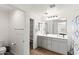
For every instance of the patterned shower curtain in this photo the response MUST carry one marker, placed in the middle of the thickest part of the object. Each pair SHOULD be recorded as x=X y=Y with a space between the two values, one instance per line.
x=75 y=34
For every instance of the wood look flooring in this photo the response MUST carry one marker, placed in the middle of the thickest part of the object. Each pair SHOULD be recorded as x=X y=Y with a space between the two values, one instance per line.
x=42 y=51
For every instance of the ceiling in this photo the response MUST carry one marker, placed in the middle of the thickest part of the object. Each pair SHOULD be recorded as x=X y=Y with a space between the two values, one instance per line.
x=43 y=7
x=5 y=7
x=36 y=8
x=32 y=7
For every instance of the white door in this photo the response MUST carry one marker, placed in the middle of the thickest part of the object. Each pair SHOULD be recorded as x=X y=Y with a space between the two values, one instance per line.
x=17 y=24
x=20 y=33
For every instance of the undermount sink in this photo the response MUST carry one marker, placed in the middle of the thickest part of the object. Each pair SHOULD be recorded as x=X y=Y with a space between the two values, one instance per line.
x=52 y=35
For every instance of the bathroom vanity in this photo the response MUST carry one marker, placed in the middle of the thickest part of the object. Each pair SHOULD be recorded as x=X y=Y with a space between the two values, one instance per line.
x=53 y=35
x=53 y=43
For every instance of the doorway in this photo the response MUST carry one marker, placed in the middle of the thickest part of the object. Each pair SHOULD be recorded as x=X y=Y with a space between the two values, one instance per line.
x=31 y=32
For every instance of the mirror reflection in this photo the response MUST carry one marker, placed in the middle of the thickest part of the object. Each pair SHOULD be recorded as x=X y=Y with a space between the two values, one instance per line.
x=56 y=27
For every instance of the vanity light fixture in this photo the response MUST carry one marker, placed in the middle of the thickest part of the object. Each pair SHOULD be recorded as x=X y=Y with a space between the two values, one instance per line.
x=52 y=16
x=53 y=5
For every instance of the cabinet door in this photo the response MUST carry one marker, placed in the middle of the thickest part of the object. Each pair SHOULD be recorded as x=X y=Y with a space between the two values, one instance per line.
x=59 y=46
x=55 y=45
x=44 y=41
x=63 y=47
x=39 y=41
x=49 y=44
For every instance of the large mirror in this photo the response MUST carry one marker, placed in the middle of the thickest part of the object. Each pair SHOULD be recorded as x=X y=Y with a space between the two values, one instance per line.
x=56 y=26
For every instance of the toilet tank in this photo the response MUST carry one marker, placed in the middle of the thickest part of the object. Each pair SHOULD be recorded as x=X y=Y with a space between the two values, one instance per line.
x=1 y=42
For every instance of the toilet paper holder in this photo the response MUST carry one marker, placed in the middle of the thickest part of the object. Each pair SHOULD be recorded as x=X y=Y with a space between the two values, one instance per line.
x=14 y=43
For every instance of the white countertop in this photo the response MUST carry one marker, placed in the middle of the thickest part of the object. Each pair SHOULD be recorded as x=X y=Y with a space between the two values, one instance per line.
x=53 y=36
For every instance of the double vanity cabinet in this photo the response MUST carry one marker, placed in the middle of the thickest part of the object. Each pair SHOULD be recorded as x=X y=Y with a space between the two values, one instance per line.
x=55 y=44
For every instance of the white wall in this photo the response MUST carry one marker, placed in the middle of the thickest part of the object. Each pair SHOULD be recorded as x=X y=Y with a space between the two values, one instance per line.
x=4 y=26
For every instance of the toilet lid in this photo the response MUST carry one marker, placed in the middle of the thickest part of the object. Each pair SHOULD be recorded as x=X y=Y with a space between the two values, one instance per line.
x=2 y=48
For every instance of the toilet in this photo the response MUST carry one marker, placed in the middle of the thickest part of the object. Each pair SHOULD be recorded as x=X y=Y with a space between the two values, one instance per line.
x=2 y=49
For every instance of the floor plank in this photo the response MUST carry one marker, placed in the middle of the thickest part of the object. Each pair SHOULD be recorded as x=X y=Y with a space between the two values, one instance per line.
x=42 y=51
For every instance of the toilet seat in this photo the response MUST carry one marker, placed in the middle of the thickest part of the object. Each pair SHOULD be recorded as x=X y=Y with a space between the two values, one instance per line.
x=2 y=50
